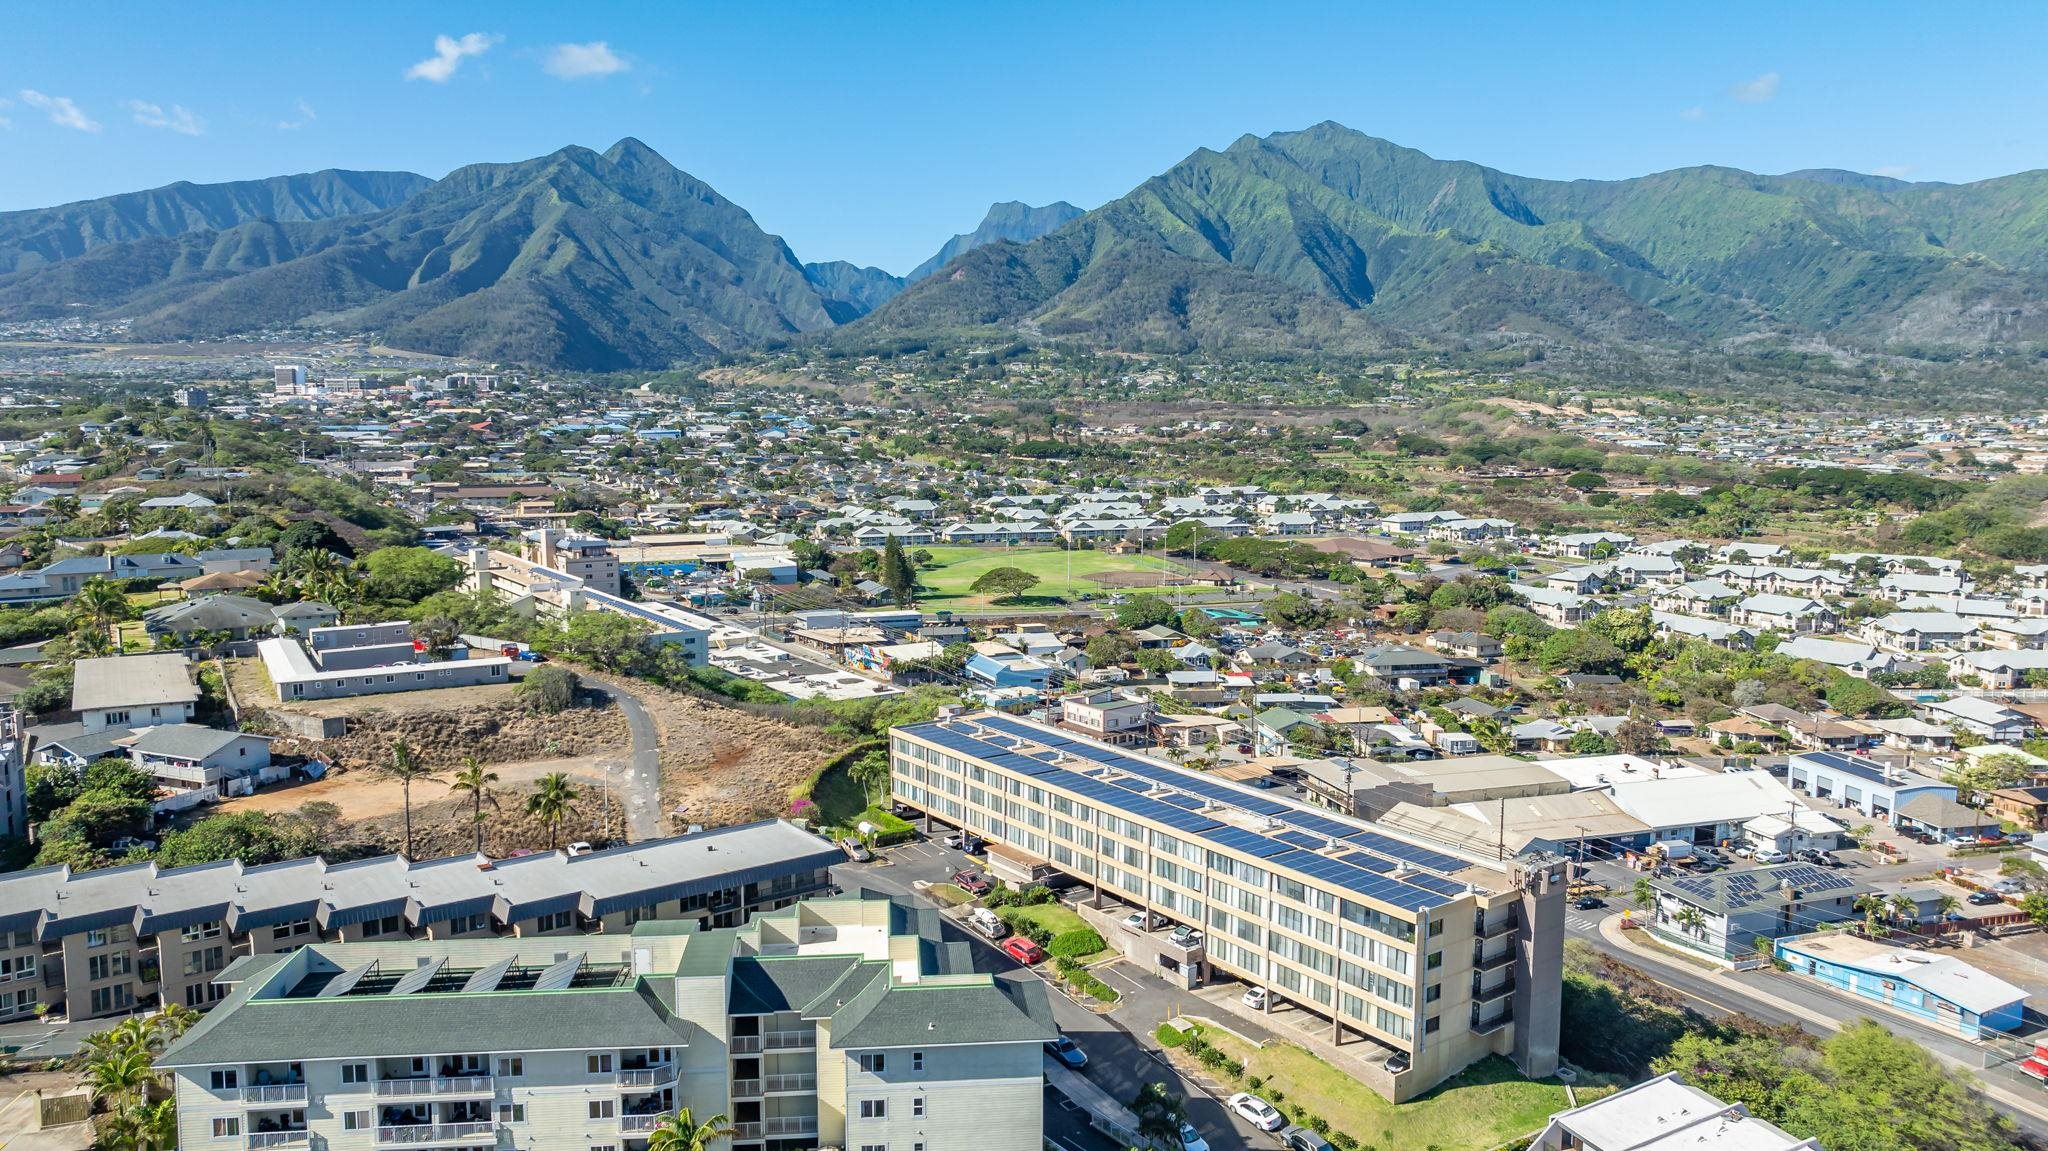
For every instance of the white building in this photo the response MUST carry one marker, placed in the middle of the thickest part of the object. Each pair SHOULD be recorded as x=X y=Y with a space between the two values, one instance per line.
x=1663 y=1114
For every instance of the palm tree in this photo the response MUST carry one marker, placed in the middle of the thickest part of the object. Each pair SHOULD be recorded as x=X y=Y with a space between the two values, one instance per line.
x=682 y=1132
x=1873 y=906
x=438 y=632
x=553 y=798
x=404 y=768
x=1160 y=1112
x=153 y=1126
x=168 y=1023
x=99 y=605
x=1948 y=905
x=1691 y=920
x=1645 y=892
x=120 y=1075
x=1903 y=909
x=475 y=779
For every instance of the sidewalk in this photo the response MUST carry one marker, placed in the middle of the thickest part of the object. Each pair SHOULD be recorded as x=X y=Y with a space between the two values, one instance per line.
x=1610 y=930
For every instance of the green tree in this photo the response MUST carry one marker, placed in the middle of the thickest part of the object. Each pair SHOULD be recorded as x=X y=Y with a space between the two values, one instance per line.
x=1003 y=583
x=552 y=801
x=98 y=606
x=682 y=1132
x=408 y=575
x=604 y=640
x=404 y=768
x=1160 y=1112
x=871 y=771
x=895 y=573
x=476 y=780
x=255 y=838
x=1143 y=611
x=549 y=689
x=1294 y=610
x=1644 y=892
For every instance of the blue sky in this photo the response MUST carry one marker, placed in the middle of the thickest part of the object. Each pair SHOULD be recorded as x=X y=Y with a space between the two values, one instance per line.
x=870 y=132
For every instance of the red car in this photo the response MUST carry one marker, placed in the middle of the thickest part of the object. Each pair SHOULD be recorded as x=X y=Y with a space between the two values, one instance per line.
x=1023 y=950
x=971 y=882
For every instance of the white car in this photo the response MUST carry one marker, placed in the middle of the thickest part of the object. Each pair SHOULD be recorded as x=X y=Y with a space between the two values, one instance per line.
x=579 y=848
x=1191 y=1139
x=1255 y=998
x=1257 y=1112
x=1142 y=921
x=1770 y=855
x=1743 y=850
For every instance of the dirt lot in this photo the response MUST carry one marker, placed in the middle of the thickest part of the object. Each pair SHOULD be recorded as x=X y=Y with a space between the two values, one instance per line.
x=722 y=765
x=255 y=692
x=2021 y=960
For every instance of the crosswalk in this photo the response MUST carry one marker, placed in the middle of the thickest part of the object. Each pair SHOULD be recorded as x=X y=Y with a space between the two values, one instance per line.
x=1585 y=923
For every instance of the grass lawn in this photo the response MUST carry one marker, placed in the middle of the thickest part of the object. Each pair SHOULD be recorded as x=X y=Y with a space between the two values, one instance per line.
x=958 y=567
x=1489 y=1104
x=952 y=895
x=838 y=797
x=1054 y=917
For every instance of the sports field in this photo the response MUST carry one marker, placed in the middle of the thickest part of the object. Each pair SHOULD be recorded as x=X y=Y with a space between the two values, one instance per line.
x=946 y=584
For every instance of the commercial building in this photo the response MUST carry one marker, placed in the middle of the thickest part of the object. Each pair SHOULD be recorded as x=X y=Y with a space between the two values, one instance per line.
x=96 y=943
x=372 y=669
x=1927 y=986
x=1877 y=790
x=1724 y=914
x=1439 y=958
x=836 y=1022
x=1664 y=1114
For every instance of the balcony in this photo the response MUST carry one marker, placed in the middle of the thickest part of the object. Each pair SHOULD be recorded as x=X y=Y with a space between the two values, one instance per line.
x=261 y=1139
x=1499 y=928
x=789 y=1040
x=1482 y=962
x=435 y=1086
x=644 y=1077
x=274 y=1094
x=782 y=1084
x=1492 y=1023
x=746 y=1089
x=776 y=1125
x=745 y=1044
x=429 y=1134
x=1494 y=992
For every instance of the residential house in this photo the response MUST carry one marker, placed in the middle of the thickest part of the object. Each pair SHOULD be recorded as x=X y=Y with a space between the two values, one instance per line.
x=131 y=691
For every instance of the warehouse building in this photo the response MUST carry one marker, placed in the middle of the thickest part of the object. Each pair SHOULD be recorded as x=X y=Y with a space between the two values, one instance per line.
x=1877 y=790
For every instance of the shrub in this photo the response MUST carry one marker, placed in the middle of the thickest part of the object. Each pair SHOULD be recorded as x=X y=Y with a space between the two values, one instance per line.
x=1035 y=894
x=1168 y=1035
x=1343 y=1141
x=1080 y=941
x=1233 y=1068
x=1277 y=1097
x=1254 y=1083
x=1319 y=1125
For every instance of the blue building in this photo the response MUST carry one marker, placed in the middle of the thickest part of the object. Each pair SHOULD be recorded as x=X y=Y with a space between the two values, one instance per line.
x=998 y=666
x=1936 y=989
x=1867 y=786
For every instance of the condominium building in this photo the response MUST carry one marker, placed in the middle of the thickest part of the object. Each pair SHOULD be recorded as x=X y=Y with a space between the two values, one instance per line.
x=1438 y=958
x=90 y=944
x=843 y=1022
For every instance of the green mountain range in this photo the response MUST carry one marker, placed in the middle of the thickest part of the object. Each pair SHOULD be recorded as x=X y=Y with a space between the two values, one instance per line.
x=1328 y=238
x=1320 y=240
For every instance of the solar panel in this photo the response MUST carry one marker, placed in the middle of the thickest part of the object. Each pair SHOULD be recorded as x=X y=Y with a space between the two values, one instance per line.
x=1302 y=839
x=488 y=978
x=1405 y=852
x=1250 y=843
x=560 y=976
x=1185 y=802
x=346 y=982
x=418 y=977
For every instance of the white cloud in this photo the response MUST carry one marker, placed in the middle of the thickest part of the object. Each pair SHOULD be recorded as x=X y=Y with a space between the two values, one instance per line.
x=1756 y=89
x=306 y=116
x=1693 y=113
x=63 y=112
x=580 y=61
x=177 y=118
x=1894 y=171
x=449 y=53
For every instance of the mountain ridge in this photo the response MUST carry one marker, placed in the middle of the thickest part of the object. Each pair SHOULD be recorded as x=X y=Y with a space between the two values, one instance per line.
x=1011 y=220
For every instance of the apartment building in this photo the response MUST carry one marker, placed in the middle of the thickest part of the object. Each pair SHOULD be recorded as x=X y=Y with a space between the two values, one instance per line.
x=844 y=1022
x=1439 y=959
x=97 y=943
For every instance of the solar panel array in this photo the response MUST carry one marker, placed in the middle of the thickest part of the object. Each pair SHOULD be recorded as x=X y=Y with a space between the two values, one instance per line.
x=488 y=978
x=560 y=976
x=345 y=982
x=1294 y=839
x=1740 y=889
x=418 y=977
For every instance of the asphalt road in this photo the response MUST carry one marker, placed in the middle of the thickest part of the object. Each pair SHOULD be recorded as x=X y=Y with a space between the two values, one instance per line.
x=639 y=777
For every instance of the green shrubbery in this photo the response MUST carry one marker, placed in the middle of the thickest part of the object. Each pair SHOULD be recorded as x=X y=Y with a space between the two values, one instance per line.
x=1075 y=944
x=1084 y=981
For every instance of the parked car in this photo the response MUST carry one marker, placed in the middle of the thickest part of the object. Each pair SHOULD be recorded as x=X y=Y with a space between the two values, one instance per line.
x=855 y=849
x=579 y=848
x=1303 y=1139
x=1397 y=1063
x=1143 y=921
x=1743 y=850
x=1191 y=1139
x=1255 y=998
x=988 y=923
x=1984 y=898
x=963 y=841
x=970 y=881
x=1067 y=1052
x=1770 y=855
x=1184 y=936
x=1589 y=902
x=1023 y=950
x=1257 y=1112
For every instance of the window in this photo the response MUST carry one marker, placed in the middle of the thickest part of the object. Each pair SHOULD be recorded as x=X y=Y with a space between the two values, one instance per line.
x=512 y=1067
x=603 y=1108
x=202 y=931
x=874 y=1147
x=511 y=1112
x=95 y=939
x=599 y=1063
x=874 y=1108
x=357 y=1120
x=917 y=1061
x=225 y=1080
x=874 y=1062
x=1429 y=1025
x=227 y=1128
x=1436 y=960
x=355 y=1073
x=287 y=930
x=1435 y=992
x=917 y=1107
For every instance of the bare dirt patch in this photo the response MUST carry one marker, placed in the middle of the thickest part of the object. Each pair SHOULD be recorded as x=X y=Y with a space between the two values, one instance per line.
x=441 y=738
x=722 y=765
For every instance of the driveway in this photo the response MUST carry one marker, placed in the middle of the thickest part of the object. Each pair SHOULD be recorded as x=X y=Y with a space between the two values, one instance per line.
x=638 y=778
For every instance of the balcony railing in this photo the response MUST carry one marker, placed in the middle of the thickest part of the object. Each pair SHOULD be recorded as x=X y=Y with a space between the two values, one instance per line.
x=746 y=1088
x=274 y=1093
x=784 y=1040
x=641 y=1123
x=1484 y=962
x=261 y=1139
x=1499 y=928
x=745 y=1044
x=776 y=1125
x=646 y=1076
x=795 y=1082
x=441 y=1085
x=1488 y=994
x=1491 y=1023
x=417 y=1134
